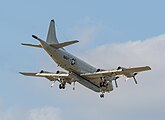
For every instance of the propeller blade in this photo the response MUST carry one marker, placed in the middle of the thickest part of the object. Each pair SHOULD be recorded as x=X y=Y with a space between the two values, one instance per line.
x=53 y=83
x=135 y=80
x=73 y=85
x=116 y=84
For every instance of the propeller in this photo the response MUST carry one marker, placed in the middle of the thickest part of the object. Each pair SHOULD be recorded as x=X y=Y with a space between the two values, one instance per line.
x=73 y=85
x=135 y=78
x=57 y=72
x=132 y=75
x=41 y=71
x=116 y=82
x=53 y=83
x=119 y=68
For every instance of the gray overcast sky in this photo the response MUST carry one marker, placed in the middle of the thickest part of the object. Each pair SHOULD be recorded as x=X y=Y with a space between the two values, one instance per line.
x=111 y=33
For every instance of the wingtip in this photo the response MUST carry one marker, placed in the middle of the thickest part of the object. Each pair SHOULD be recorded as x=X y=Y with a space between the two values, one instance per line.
x=76 y=41
x=21 y=73
x=149 y=68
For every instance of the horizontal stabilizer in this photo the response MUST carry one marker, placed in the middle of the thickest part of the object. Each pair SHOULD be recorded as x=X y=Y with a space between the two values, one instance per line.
x=61 y=45
x=32 y=45
x=58 y=45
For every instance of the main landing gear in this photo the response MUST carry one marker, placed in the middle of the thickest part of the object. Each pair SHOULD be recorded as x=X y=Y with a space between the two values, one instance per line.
x=103 y=82
x=61 y=86
x=103 y=86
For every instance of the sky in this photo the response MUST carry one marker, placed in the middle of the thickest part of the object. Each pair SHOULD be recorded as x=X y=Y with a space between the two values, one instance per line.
x=112 y=33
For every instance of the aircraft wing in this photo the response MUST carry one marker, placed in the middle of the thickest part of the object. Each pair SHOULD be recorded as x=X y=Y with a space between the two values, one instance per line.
x=50 y=76
x=113 y=73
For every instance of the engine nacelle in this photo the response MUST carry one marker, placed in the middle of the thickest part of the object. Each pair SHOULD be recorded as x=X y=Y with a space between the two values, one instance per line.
x=61 y=72
x=121 y=68
x=131 y=75
x=112 y=78
x=99 y=70
x=42 y=71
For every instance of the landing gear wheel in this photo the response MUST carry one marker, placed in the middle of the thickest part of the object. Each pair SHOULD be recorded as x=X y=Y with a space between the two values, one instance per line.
x=102 y=95
x=61 y=86
x=101 y=84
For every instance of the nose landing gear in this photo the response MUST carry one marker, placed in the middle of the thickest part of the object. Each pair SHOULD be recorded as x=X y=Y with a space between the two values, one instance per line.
x=102 y=95
x=61 y=86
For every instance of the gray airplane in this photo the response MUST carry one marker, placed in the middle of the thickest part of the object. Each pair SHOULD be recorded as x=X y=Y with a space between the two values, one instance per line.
x=98 y=80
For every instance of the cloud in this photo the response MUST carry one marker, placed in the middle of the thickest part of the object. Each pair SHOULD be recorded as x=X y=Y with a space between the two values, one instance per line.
x=11 y=113
x=17 y=113
x=141 y=52
x=46 y=113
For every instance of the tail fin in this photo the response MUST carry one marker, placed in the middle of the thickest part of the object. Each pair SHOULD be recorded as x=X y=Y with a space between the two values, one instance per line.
x=51 y=37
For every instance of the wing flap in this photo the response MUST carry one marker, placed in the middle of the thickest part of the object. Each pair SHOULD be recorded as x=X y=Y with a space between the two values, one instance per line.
x=52 y=75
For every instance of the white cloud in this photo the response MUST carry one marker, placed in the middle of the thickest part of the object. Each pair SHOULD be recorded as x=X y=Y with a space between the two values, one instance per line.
x=47 y=113
x=146 y=52
x=11 y=113
x=17 y=113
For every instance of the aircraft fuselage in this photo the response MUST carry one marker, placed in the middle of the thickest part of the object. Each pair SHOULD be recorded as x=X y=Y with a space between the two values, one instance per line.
x=75 y=66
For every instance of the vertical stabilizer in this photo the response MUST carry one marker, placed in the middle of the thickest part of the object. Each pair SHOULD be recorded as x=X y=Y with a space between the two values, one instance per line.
x=51 y=37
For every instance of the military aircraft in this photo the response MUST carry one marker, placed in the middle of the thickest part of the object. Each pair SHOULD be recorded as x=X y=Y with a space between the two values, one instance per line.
x=98 y=80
